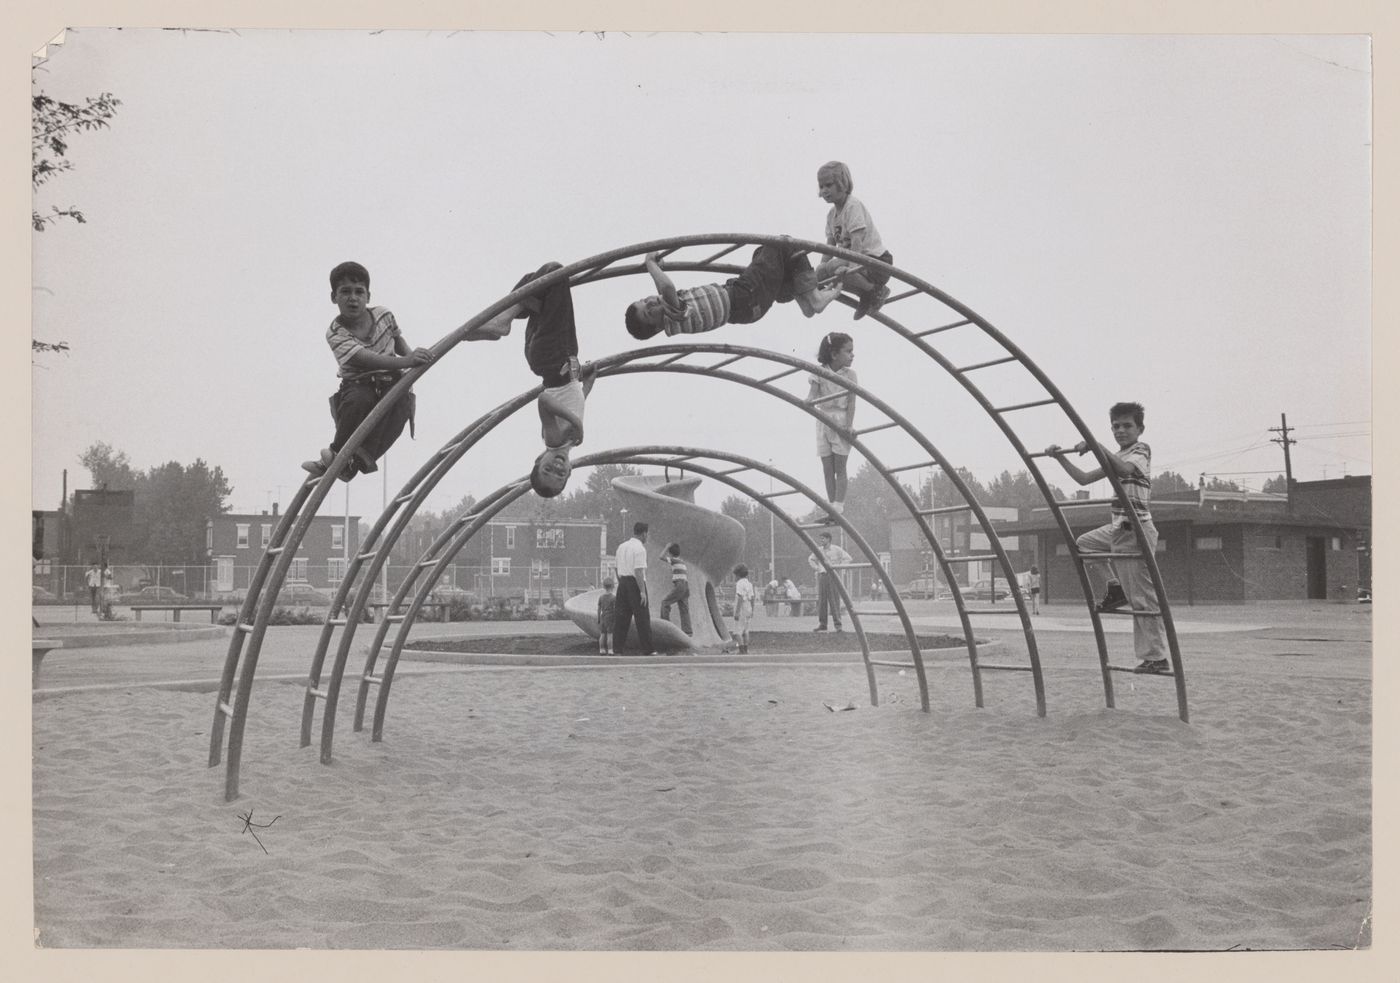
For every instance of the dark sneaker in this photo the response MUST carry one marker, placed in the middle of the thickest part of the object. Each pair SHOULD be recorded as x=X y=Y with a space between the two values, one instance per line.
x=315 y=468
x=871 y=302
x=820 y=628
x=1158 y=666
x=1113 y=599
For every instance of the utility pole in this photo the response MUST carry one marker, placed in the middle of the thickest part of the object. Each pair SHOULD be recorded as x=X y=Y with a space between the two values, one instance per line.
x=1285 y=440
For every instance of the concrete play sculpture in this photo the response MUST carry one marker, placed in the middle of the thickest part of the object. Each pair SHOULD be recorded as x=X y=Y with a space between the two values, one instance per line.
x=711 y=544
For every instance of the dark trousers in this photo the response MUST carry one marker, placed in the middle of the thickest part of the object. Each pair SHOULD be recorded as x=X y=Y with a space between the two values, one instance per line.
x=774 y=274
x=551 y=338
x=352 y=403
x=680 y=597
x=629 y=603
x=92 y=594
x=827 y=599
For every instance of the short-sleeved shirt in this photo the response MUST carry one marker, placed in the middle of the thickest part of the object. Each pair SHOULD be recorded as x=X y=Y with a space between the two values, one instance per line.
x=345 y=344
x=837 y=408
x=631 y=555
x=607 y=608
x=94 y=578
x=677 y=567
x=834 y=554
x=851 y=223
x=743 y=590
x=557 y=430
x=701 y=308
x=792 y=592
x=1138 y=485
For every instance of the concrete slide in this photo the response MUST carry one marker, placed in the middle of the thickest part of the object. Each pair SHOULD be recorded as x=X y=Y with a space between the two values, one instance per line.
x=711 y=544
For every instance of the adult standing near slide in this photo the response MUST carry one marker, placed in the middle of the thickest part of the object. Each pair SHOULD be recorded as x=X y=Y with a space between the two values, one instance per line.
x=632 y=591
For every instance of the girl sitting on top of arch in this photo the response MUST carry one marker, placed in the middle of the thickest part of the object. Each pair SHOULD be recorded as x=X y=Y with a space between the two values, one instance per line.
x=850 y=226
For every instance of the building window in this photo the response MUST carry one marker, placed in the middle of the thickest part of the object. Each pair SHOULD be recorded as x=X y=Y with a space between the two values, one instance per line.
x=510 y=538
x=1336 y=544
x=338 y=536
x=242 y=536
x=1209 y=543
x=551 y=538
x=298 y=571
x=500 y=566
x=335 y=569
x=266 y=534
x=539 y=568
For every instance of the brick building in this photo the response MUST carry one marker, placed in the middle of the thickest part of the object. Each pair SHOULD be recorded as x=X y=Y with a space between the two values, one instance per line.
x=960 y=535
x=518 y=557
x=1223 y=546
x=235 y=542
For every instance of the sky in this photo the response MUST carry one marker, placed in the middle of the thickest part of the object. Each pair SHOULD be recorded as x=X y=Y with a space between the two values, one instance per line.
x=1179 y=220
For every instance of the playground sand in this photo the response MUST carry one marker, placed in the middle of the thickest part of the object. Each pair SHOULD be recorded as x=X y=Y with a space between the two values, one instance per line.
x=678 y=808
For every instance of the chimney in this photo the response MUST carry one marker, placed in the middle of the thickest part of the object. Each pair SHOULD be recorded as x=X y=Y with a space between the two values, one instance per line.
x=274 y=509
x=1081 y=495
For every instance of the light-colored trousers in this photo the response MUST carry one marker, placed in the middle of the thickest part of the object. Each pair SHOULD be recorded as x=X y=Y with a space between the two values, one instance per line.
x=1149 y=633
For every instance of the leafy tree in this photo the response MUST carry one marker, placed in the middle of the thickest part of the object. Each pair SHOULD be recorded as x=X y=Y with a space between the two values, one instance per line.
x=1169 y=482
x=172 y=502
x=1018 y=491
x=1216 y=484
x=1278 y=484
x=53 y=124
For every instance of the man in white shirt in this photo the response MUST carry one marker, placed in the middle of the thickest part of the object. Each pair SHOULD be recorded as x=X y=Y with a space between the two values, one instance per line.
x=94 y=582
x=632 y=591
x=826 y=591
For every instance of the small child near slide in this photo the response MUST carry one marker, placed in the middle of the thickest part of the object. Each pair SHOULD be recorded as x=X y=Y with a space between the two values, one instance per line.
x=371 y=353
x=607 y=611
x=743 y=606
x=551 y=350
x=850 y=226
x=776 y=273
x=836 y=352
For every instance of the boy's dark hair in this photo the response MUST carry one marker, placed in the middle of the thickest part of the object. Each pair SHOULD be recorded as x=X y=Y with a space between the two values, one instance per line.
x=638 y=328
x=1127 y=409
x=674 y=549
x=741 y=571
x=825 y=537
x=349 y=272
x=639 y=527
x=609 y=583
x=537 y=479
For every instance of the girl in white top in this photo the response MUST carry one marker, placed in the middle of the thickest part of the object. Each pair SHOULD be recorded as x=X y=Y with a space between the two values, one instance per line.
x=743 y=606
x=837 y=352
x=850 y=226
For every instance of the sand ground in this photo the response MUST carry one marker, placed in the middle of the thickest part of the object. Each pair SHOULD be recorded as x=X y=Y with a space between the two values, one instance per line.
x=686 y=806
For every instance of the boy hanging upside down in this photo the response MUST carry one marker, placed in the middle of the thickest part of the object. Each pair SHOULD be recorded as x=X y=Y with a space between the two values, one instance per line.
x=776 y=273
x=551 y=349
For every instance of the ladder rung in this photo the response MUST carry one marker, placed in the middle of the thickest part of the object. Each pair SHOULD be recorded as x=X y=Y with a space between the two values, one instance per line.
x=728 y=361
x=895 y=665
x=370 y=677
x=338 y=621
x=394 y=617
x=815 y=525
x=320 y=694
x=1129 y=613
x=913 y=467
x=970 y=558
x=790 y=491
x=1006 y=610
x=775 y=378
x=274 y=550
x=1079 y=503
x=366 y=555
x=722 y=252
x=674 y=358
x=1110 y=556
x=984 y=365
x=225 y=709
x=908 y=293
x=405 y=497
x=733 y=470
x=982 y=665
x=946 y=327
x=422 y=564
x=450 y=448
x=882 y=426
x=829 y=397
x=1025 y=406
x=245 y=627
x=944 y=509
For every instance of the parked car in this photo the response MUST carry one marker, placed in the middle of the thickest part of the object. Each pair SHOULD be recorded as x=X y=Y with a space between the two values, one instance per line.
x=982 y=591
x=920 y=588
x=43 y=596
x=154 y=595
x=303 y=596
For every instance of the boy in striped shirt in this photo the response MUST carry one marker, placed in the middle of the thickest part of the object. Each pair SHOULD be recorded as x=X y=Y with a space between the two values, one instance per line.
x=775 y=273
x=371 y=354
x=680 y=587
x=1132 y=463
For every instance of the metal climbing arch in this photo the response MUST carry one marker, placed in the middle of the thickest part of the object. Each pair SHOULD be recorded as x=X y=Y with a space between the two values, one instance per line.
x=928 y=309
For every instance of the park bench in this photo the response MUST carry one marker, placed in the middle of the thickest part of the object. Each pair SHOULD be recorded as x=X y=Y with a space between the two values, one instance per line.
x=42 y=647
x=213 y=609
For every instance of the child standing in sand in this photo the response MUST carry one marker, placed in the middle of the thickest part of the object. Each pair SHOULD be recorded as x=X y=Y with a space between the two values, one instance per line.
x=551 y=350
x=743 y=606
x=372 y=354
x=1132 y=463
x=850 y=226
x=836 y=352
x=607 y=611
x=680 y=587
x=1033 y=584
